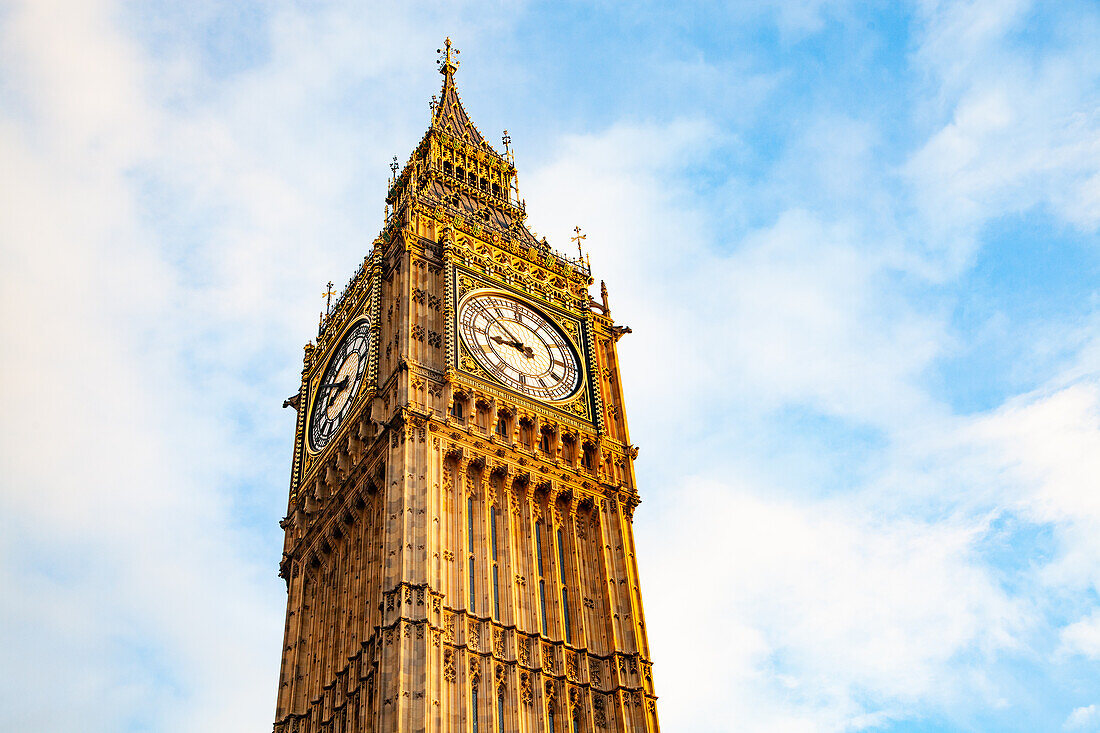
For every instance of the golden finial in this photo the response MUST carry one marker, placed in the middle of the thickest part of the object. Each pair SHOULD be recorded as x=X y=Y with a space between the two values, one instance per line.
x=327 y=295
x=448 y=63
x=577 y=238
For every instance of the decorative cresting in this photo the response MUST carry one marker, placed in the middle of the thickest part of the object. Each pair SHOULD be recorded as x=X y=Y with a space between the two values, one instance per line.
x=459 y=553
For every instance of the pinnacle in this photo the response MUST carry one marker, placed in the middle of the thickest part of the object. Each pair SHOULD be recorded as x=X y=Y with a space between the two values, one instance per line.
x=448 y=114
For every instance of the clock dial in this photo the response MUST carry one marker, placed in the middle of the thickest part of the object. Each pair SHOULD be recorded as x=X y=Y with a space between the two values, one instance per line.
x=339 y=385
x=519 y=346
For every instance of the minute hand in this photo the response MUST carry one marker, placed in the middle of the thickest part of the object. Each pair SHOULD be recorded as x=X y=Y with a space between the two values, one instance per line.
x=511 y=335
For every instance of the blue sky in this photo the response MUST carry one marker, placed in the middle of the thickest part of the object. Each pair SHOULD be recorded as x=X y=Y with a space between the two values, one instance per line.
x=857 y=244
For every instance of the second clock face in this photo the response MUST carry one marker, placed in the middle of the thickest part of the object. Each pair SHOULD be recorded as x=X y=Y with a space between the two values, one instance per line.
x=519 y=346
x=339 y=385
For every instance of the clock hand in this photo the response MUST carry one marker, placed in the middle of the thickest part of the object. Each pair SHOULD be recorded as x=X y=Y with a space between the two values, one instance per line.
x=517 y=345
x=504 y=342
x=500 y=322
x=338 y=386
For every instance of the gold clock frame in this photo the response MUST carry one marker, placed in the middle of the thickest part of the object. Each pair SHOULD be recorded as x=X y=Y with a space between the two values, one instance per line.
x=578 y=352
x=582 y=404
x=314 y=381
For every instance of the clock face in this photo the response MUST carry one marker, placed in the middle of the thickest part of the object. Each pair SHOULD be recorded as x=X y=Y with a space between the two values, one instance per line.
x=339 y=385
x=519 y=346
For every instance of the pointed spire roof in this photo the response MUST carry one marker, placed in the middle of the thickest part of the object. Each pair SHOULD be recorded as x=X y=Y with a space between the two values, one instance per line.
x=448 y=116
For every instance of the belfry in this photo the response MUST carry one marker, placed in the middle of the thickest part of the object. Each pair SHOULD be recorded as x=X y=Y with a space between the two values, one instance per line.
x=459 y=554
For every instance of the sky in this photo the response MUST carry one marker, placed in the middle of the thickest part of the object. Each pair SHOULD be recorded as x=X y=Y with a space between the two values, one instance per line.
x=857 y=244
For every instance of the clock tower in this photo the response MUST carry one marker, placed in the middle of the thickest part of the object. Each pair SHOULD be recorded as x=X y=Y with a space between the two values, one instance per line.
x=459 y=553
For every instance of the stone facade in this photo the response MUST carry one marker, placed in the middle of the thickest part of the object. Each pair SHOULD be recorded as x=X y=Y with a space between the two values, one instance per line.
x=459 y=554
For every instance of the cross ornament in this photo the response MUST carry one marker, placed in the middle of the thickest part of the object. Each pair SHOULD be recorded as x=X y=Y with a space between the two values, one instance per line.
x=577 y=238
x=446 y=59
x=327 y=295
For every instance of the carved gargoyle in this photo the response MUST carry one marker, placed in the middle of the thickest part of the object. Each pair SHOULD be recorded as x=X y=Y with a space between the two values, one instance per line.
x=620 y=331
x=293 y=400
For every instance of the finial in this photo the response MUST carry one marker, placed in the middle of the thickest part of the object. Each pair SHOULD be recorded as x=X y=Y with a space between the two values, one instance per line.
x=327 y=295
x=433 y=103
x=394 y=165
x=603 y=297
x=578 y=239
x=448 y=63
x=506 y=139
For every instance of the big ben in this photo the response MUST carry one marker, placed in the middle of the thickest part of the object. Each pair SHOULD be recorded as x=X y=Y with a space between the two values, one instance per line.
x=459 y=554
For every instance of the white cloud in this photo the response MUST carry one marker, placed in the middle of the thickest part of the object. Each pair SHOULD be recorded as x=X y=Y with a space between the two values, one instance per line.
x=1082 y=717
x=1083 y=637
x=1048 y=446
x=1022 y=131
x=798 y=610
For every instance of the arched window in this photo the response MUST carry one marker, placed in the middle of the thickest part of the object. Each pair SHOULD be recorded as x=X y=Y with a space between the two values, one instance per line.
x=473 y=705
x=502 y=424
x=526 y=433
x=588 y=457
x=483 y=417
x=546 y=440
x=542 y=580
x=564 y=588
x=458 y=407
x=569 y=449
x=496 y=581
x=470 y=551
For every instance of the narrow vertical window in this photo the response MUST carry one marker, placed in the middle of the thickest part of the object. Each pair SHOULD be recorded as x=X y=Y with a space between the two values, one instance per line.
x=564 y=588
x=549 y=719
x=542 y=583
x=473 y=706
x=576 y=725
x=496 y=581
x=470 y=545
x=500 y=714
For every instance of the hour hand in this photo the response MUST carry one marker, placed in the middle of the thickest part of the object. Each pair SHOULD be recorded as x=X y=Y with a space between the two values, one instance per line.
x=517 y=345
x=505 y=342
x=336 y=385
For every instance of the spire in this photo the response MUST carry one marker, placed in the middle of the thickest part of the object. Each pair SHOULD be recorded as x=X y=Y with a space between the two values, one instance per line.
x=448 y=116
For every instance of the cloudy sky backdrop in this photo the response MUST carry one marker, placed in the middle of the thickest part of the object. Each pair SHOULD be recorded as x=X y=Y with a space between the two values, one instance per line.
x=857 y=243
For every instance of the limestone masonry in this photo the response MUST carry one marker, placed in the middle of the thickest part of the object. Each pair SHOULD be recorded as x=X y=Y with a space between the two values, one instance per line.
x=459 y=553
